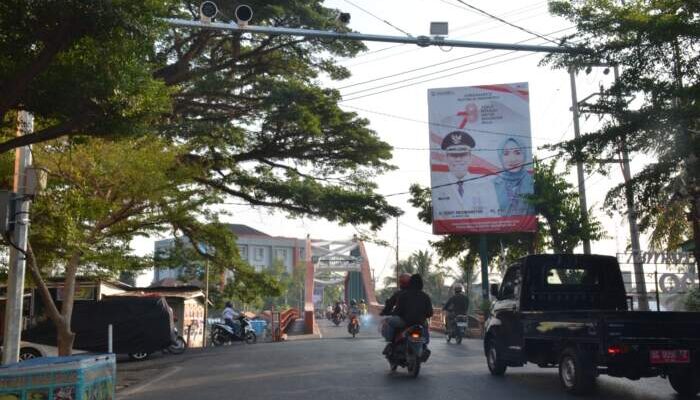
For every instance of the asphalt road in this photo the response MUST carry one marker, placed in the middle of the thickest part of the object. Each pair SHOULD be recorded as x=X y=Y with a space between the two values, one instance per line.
x=339 y=367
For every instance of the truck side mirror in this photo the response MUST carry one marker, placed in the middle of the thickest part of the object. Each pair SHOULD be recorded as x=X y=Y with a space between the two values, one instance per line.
x=494 y=290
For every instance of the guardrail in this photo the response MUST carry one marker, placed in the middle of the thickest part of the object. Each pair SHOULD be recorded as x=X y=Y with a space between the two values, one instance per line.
x=281 y=321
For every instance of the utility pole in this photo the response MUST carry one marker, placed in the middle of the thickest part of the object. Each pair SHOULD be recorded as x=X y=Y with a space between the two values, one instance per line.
x=579 y=162
x=397 y=254
x=639 y=277
x=18 y=247
x=206 y=303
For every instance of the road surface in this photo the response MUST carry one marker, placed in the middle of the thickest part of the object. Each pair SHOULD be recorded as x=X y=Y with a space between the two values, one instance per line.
x=339 y=367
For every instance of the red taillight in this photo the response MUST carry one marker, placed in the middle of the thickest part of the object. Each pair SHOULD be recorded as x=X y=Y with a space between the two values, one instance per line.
x=616 y=350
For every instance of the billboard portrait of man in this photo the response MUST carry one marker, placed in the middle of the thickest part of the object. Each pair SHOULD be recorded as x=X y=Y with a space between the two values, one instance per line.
x=466 y=194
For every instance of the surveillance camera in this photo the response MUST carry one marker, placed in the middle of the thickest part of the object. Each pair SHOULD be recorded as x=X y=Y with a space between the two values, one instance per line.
x=207 y=11
x=343 y=18
x=243 y=13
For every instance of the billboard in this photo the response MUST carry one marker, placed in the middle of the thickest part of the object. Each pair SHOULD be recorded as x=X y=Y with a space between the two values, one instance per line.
x=481 y=159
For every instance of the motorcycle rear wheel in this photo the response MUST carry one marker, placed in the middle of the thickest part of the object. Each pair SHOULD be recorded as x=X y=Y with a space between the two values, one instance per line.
x=414 y=367
x=218 y=338
x=251 y=338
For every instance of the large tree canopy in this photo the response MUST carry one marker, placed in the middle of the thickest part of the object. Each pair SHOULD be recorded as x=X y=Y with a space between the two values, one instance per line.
x=653 y=107
x=250 y=109
x=254 y=113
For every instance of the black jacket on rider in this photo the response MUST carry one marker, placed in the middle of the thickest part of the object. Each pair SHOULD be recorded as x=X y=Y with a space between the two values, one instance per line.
x=457 y=304
x=413 y=305
x=391 y=303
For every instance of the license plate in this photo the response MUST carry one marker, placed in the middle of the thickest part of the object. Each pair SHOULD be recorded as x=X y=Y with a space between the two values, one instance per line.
x=669 y=356
x=462 y=324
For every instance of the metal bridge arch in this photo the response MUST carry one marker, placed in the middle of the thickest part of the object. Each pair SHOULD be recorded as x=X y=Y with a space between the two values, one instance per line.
x=347 y=256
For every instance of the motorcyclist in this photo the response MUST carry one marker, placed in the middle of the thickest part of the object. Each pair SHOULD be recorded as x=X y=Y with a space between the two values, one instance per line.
x=230 y=318
x=414 y=307
x=354 y=309
x=458 y=304
x=394 y=322
x=337 y=308
x=363 y=307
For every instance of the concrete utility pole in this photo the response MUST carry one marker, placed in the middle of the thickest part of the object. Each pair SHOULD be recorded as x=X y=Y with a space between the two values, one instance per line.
x=579 y=163
x=18 y=247
x=206 y=303
x=398 y=286
x=639 y=278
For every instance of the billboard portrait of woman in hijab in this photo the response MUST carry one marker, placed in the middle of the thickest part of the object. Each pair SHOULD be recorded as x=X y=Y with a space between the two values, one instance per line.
x=515 y=182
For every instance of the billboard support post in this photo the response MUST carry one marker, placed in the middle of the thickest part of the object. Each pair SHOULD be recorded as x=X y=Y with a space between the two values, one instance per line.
x=484 y=256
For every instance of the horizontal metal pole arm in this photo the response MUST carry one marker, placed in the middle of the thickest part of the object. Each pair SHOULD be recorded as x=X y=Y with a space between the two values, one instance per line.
x=423 y=41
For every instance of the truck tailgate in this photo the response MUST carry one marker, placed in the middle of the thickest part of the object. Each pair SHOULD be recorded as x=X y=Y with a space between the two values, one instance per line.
x=653 y=327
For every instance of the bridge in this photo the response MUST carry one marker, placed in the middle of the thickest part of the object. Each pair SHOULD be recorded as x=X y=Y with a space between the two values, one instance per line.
x=348 y=261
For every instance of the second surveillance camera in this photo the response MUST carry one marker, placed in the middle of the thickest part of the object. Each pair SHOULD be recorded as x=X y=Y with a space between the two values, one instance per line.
x=343 y=18
x=207 y=11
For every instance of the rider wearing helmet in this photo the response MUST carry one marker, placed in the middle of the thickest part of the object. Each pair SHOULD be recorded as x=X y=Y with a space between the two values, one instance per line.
x=394 y=322
x=458 y=304
x=354 y=310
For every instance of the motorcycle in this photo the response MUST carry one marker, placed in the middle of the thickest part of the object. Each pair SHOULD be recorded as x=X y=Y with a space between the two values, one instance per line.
x=222 y=334
x=408 y=350
x=354 y=325
x=337 y=318
x=456 y=328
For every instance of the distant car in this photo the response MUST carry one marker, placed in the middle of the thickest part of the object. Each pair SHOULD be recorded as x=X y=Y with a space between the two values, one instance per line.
x=30 y=350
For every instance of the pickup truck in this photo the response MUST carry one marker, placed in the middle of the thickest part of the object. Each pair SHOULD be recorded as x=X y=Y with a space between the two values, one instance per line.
x=571 y=312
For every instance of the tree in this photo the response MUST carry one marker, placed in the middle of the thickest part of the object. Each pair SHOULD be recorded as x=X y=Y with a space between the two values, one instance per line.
x=252 y=112
x=96 y=203
x=655 y=45
x=557 y=202
x=248 y=108
x=80 y=67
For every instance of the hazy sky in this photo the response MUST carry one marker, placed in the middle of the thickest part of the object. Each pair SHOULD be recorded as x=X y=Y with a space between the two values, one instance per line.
x=399 y=114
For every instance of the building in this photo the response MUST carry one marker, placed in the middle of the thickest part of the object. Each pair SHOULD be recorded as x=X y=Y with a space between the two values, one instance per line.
x=259 y=249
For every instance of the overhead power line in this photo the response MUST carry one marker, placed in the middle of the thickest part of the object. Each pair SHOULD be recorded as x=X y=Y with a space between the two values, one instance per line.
x=438 y=124
x=506 y=22
x=474 y=178
x=379 y=18
x=436 y=64
x=440 y=77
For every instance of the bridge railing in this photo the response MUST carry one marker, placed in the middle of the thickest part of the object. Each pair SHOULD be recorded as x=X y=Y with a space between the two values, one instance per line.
x=281 y=321
x=475 y=323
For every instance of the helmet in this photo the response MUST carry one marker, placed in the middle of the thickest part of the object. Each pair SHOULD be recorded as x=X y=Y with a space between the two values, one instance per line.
x=404 y=280
x=353 y=302
x=362 y=301
x=459 y=289
x=228 y=304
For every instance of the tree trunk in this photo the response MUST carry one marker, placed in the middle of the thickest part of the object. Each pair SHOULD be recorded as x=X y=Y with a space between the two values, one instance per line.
x=65 y=339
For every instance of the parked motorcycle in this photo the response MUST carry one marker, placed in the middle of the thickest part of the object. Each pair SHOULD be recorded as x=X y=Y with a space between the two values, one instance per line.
x=354 y=325
x=408 y=350
x=222 y=334
x=456 y=328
